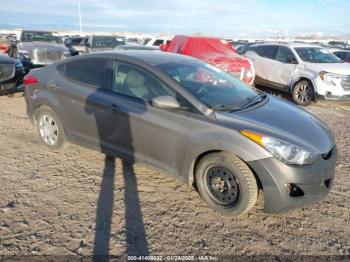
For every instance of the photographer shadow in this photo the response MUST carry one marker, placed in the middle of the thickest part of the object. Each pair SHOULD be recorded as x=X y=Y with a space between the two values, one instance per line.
x=136 y=240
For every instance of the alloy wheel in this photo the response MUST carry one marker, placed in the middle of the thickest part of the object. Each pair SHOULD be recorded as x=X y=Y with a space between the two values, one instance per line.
x=304 y=93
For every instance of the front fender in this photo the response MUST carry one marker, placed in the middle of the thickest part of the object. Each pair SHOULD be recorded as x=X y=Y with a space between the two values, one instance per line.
x=210 y=137
x=304 y=74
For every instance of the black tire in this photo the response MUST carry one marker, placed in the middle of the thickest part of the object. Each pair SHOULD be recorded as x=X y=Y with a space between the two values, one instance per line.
x=303 y=93
x=46 y=115
x=233 y=190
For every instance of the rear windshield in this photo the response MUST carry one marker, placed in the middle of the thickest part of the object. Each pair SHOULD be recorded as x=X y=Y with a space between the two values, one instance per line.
x=317 y=55
x=106 y=42
x=30 y=36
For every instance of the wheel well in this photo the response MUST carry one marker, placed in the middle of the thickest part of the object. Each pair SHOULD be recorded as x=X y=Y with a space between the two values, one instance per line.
x=192 y=178
x=43 y=106
x=37 y=109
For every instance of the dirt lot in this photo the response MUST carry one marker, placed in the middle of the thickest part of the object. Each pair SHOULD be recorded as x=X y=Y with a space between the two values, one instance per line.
x=72 y=203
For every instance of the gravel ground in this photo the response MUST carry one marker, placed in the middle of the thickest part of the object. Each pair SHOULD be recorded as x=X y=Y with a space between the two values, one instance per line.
x=51 y=203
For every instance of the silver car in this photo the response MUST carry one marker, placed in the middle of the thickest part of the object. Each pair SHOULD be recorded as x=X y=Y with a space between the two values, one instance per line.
x=42 y=47
x=189 y=119
x=306 y=71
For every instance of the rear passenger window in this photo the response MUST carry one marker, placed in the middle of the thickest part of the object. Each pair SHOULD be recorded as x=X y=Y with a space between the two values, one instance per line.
x=91 y=71
x=267 y=51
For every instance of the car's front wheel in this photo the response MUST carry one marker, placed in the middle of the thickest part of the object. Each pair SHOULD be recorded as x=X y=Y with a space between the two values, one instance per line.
x=50 y=128
x=226 y=183
x=303 y=93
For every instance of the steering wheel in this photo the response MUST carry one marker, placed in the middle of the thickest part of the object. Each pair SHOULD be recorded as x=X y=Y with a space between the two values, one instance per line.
x=203 y=89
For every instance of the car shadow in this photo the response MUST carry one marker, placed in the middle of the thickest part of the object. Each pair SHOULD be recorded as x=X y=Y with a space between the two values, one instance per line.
x=136 y=239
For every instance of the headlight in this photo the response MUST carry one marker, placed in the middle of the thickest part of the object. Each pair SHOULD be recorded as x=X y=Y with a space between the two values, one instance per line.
x=330 y=78
x=284 y=151
x=249 y=74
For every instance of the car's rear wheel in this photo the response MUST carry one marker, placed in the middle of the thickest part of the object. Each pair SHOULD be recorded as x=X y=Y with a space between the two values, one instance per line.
x=303 y=93
x=50 y=128
x=226 y=183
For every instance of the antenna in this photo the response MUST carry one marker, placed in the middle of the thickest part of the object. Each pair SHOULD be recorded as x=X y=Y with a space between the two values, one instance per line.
x=80 y=25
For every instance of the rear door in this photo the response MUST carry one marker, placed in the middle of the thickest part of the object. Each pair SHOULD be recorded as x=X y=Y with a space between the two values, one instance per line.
x=263 y=61
x=80 y=85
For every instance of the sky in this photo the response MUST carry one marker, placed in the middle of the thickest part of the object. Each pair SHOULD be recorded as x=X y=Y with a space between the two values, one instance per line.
x=212 y=17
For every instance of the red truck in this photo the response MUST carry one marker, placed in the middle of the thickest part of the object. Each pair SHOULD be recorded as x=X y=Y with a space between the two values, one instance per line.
x=215 y=51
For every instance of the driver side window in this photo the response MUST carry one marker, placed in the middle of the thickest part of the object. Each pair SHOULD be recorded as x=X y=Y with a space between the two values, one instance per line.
x=132 y=81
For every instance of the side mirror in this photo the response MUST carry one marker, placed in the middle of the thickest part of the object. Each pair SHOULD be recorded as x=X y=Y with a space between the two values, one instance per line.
x=165 y=102
x=292 y=61
x=7 y=71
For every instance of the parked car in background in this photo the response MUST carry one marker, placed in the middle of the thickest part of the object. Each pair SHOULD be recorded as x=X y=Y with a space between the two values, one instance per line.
x=158 y=41
x=5 y=44
x=97 y=43
x=244 y=48
x=11 y=75
x=305 y=71
x=76 y=45
x=214 y=51
x=215 y=133
x=343 y=55
x=42 y=47
x=136 y=47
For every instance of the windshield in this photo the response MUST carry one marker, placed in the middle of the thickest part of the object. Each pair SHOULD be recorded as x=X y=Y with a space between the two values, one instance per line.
x=317 y=55
x=105 y=42
x=30 y=36
x=212 y=86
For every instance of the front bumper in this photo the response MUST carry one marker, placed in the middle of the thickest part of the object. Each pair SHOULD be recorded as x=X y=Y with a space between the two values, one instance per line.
x=315 y=181
x=13 y=85
x=329 y=92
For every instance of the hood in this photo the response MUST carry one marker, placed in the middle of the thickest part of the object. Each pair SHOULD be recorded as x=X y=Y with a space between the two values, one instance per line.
x=5 y=59
x=335 y=68
x=283 y=120
x=26 y=46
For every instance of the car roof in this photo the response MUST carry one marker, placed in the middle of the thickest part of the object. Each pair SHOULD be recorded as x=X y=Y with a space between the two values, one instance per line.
x=290 y=44
x=153 y=58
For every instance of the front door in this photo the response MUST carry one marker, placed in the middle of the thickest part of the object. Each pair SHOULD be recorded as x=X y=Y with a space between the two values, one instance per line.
x=152 y=135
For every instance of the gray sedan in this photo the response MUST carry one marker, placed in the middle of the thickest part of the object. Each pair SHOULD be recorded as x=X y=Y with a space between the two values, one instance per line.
x=189 y=119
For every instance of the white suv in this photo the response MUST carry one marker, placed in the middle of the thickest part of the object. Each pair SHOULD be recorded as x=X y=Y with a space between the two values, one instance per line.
x=306 y=71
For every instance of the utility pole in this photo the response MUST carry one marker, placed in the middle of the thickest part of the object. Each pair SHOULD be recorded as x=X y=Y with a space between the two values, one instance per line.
x=80 y=25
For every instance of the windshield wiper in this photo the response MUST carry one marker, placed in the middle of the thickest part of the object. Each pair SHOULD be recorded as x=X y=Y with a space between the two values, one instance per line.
x=247 y=102
x=252 y=100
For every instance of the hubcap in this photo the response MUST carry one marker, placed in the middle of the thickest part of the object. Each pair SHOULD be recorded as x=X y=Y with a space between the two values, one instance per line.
x=222 y=185
x=48 y=130
x=304 y=93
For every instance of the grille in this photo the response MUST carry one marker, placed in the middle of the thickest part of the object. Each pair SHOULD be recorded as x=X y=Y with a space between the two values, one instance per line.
x=7 y=71
x=46 y=56
x=346 y=82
